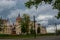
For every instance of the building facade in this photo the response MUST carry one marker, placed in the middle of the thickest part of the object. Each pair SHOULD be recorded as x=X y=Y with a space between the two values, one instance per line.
x=15 y=28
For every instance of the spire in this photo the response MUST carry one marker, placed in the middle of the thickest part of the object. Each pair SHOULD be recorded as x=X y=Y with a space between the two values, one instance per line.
x=7 y=19
x=1 y=17
x=18 y=15
x=13 y=23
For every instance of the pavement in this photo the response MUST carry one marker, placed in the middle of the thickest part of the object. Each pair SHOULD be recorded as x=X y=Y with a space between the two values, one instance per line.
x=38 y=38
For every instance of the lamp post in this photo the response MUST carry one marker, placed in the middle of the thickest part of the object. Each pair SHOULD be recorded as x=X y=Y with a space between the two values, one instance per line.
x=34 y=27
x=35 y=22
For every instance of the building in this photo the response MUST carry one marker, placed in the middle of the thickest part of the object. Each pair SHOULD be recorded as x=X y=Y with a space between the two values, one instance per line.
x=43 y=30
x=31 y=25
x=15 y=28
x=6 y=27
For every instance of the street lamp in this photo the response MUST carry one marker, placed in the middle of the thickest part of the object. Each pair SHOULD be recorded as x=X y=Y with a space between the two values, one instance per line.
x=34 y=27
x=35 y=21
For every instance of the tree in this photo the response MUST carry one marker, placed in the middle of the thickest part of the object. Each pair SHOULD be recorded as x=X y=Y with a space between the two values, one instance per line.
x=58 y=31
x=35 y=3
x=38 y=30
x=25 y=23
x=31 y=30
x=4 y=26
x=23 y=28
x=1 y=24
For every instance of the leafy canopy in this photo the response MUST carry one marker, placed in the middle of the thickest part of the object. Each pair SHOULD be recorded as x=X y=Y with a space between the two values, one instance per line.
x=25 y=23
x=35 y=3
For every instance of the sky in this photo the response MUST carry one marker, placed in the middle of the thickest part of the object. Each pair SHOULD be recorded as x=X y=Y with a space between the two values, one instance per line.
x=45 y=14
x=52 y=28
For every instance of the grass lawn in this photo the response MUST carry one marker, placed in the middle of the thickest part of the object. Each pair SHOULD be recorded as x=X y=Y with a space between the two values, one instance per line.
x=15 y=36
x=24 y=36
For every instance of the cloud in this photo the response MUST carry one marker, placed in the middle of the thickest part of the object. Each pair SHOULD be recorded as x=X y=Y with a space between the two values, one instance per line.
x=53 y=20
x=44 y=12
x=11 y=9
x=52 y=28
x=13 y=13
x=6 y=4
x=44 y=17
x=30 y=12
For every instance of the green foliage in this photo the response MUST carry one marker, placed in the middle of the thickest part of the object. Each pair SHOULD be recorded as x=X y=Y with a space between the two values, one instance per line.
x=25 y=23
x=23 y=29
x=4 y=26
x=58 y=15
x=38 y=30
x=0 y=29
x=29 y=3
x=58 y=31
x=35 y=3
x=1 y=24
x=31 y=30
x=57 y=5
x=26 y=20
